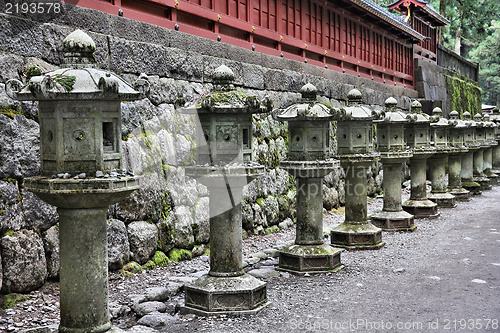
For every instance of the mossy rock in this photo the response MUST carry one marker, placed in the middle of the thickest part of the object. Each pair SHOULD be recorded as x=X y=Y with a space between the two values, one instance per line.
x=149 y=265
x=272 y=229
x=8 y=301
x=179 y=255
x=131 y=268
x=160 y=259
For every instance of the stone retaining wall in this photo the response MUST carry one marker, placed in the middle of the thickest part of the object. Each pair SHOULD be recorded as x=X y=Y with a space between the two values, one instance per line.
x=169 y=214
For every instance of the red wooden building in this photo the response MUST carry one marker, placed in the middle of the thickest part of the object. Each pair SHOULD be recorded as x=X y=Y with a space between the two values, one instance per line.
x=424 y=19
x=357 y=37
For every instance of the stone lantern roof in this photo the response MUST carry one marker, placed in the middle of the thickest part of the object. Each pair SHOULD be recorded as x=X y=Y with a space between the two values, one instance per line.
x=81 y=80
x=438 y=120
x=391 y=115
x=309 y=108
x=354 y=109
x=416 y=114
x=225 y=99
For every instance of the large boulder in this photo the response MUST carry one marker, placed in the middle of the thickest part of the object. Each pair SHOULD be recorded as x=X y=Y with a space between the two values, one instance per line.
x=183 y=227
x=37 y=214
x=330 y=198
x=118 y=245
x=23 y=262
x=51 y=246
x=10 y=206
x=143 y=238
x=202 y=221
x=19 y=147
x=270 y=208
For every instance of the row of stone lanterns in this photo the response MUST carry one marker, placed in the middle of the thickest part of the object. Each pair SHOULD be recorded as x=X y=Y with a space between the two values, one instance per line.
x=80 y=133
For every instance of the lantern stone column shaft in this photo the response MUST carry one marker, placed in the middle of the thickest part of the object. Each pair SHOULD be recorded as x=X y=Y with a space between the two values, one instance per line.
x=356 y=150
x=309 y=211
x=478 y=168
x=225 y=233
x=467 y=173
x=224 y=165
x=393 y=152
x=440 y=129
x=417 y=136
x=83 y=270
x=308 y=149
x=455 y=178
x=439 y=191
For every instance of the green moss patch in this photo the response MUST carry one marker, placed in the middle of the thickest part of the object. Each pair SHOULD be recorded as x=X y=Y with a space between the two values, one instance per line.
x=10 y=300
x=160 y=259
x=179 y=255
x=131 y=268
x=465 y=95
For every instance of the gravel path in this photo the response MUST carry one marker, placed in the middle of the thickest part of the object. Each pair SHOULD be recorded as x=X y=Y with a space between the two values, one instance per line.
x=445 y=276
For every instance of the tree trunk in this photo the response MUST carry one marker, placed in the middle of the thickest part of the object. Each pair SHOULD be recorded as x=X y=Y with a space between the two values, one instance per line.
x=442 y=11
x=458 y=44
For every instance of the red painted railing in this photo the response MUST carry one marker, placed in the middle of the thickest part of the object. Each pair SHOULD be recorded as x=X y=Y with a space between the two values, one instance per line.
x=319 y=33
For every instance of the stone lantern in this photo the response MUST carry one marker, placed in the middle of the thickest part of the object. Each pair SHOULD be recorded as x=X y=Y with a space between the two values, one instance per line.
x=224 y=137
x=393 y=152
x=80 y=134
x=440 y=128
x=495 y=117
x=457 y=141
x=308 y=147
x=467 y=172
x=417 y=135
x=355 y=149
x=490 y=127
x=478 y=163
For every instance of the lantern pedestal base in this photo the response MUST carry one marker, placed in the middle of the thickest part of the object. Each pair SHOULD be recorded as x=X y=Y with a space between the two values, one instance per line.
x=394 y=221
x=493 y=177
x=421 y=208
x=473 y=187
x=300 y=259
x=443 y=199
x=364 y=236
x=484 y=182
x=460 y=194
x=214 y=295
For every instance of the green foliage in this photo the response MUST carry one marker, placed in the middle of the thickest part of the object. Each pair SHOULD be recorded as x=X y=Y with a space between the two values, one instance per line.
x=9 y=112
x=487 y=54
x=9 y=300
x=179 y=255
x=32 y=70
x=464 y=94
x=161 y=259
x=131 y=268
x=149 y=265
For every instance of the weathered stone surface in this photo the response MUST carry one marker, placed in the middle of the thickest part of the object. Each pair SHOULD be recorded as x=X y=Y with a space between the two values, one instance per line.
x=143 y=238
x=23 y=262
x=202 y=221
x=330 y=198
x=20 y=36
x=51 y=246
x=10 y=206
x=159 y=294
x=156 y=319
x=37 y=214
x=270 y=208
x=182 y=223
x=137 y=57
x=9 y=64
x=118 y=244
x=166 y=232
x=141 y=329
x=247 y=216
x=266 y=272
x=19 y=147
x=250 y=191
x=148 y=307
x=143 y=204
x=259 y=216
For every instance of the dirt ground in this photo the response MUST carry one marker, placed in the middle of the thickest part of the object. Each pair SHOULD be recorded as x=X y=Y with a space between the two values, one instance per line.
x=444 y=277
